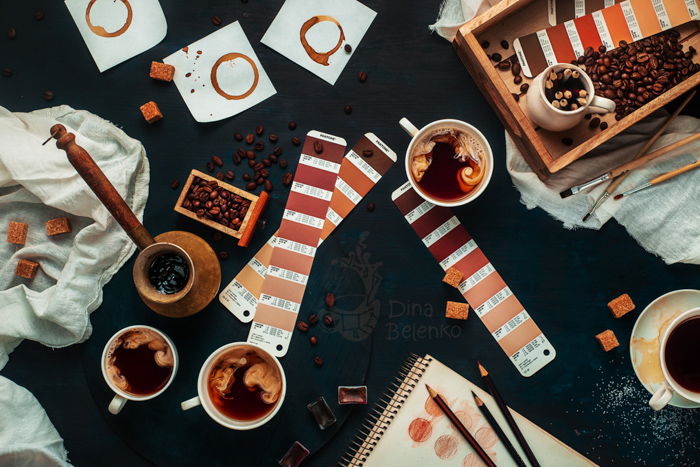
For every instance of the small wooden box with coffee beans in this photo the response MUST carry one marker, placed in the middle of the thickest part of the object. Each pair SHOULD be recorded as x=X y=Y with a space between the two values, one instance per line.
x=221 y=206
x=640 y=77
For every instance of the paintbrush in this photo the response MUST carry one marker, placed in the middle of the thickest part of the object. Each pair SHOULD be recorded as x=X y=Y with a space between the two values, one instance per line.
x=499 y=431
x=661 y=178
x=591 y=183
x=508 y=416
x=459 y=426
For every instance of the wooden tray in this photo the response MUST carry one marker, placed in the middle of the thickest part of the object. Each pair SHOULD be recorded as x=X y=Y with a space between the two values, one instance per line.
x=245 y=232
x=542 y=149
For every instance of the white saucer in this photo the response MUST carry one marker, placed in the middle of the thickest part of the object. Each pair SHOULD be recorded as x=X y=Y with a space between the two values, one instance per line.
x=644 y=343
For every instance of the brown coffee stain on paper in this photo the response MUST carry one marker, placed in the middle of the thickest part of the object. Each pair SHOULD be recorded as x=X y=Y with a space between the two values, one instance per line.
x=102 y=32
x=445 y=446
x=320 y=57
x=420 y=430
x=226 y=58
x=432 y=408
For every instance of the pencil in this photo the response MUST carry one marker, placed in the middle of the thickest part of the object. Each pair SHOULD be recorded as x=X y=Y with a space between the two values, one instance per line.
x=460 y=427
x=508 y=416
x=499 y=431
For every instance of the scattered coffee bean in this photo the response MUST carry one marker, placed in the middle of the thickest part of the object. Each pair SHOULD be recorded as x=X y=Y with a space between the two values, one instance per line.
x=217 y=161
x=246 y=177
x=238 y=137
x=524 y=88
x=251 y=186
x=272 y=158
x=259 y=181
x=330 y=300
x=318 y=361
x=230 y=175
x=250 y=138
x=259 y=146
x=517 y=79
x=267 y=162
x=485 y=44
x=283 y=163
x=505 y=44
x=48 y=95
x=594 y=123
x=7 y=72
x=496 y=57
x=370 y=207
x=219 y=175
x=296 y=141
x=258 y=166
x=259 y=130
x=362 y=76
x=318 y=147
x=174 y=183
x=39 y=15
x=277 y=151
x=516 y=96
x=504 y=65
x=292 y=125
x=11 y=33
x=251 y=163
x=603 y=125
x=313 y=318
x=347 y=109
x=348 y=48
x=250 y=154
x=210 y=166
x=328 y=320
x=236 y=158
x=273 y=138
x=268 y=185
x=567 y=141
x=223 y=255
x=367 y=152
x=313 y=340
x=516 y=69
x=287 y=178
x=216 y=21
x=302 y=326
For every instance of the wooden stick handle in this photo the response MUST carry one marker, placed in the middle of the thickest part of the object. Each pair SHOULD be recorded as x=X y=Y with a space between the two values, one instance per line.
x=673 y=173
x=631 y=165
x=101 y=186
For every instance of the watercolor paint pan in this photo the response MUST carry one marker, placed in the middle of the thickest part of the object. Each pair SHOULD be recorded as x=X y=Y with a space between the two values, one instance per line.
x=357 y=176
x=630 y=20
x=484 y=289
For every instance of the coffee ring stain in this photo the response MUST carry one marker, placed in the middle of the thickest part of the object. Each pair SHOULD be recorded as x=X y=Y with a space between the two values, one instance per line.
x=102 y=32
x=320 y=57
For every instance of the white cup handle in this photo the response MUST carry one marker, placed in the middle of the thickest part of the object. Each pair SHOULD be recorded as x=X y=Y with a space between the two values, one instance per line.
x=661 y=397
x=190 y=403
x=600 y=105
x=408 y=127
x=116 y=405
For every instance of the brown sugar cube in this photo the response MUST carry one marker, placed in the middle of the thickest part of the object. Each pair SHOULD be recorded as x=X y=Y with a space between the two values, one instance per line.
x=17 y=232
x=57 y=226
x=151 y=112
x=621 y=305
x=456 y=310
x=26 y=268
x=607 y=340
x=162 y=71
x=453 y=277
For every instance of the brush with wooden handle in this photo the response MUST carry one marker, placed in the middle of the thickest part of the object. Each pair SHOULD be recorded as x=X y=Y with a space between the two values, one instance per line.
x=661 y=178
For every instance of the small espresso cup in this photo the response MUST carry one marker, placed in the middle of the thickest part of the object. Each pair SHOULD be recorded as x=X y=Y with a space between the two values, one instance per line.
x=670 y=386
x=545 y=115
x=121 y=397
x=417 y=135
x=205 y=401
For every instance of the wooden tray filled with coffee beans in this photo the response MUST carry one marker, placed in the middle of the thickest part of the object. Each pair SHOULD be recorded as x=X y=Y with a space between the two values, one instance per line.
x=221 y=206
x=640 y=77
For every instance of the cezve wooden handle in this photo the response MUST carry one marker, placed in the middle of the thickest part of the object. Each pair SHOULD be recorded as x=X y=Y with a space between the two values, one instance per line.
x=101 y=186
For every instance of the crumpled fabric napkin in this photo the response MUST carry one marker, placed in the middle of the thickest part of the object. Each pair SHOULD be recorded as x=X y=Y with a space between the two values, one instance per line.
x=663 y=219
x=37 y=183
x=454 y=13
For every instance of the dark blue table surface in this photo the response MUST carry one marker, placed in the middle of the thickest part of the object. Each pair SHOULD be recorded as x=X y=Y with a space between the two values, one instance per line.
x=589 y=399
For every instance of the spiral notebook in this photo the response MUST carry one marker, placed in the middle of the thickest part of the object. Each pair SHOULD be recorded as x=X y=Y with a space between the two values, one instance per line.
x=409 y=429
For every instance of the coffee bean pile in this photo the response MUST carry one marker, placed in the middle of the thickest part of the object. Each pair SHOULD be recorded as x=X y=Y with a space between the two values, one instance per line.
x=208 y=200
x=634 y=74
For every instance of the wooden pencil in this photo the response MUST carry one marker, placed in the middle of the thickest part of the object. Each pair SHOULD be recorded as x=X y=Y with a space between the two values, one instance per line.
x=460 y=427
x=499 y=431
x=508 y=416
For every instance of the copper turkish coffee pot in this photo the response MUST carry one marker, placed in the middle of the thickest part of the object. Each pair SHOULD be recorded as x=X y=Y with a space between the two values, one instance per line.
x=204 y=275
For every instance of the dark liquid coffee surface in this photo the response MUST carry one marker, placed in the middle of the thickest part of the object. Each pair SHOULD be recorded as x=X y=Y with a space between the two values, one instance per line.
x=683 y=354
x=241 y=402
x=168 y=273
x=440 y=180
x=139 y=368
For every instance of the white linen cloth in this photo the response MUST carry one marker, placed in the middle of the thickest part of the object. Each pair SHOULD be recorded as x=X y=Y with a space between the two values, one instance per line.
x=37 y=183
x=454 y=13
x=663 y=219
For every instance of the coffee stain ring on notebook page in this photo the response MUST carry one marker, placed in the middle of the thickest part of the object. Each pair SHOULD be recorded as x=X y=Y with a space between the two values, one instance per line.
x=99 y=30
x=320 y=57
x=230 y=57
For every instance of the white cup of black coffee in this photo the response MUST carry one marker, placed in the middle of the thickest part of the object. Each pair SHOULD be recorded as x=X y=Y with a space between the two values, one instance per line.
x=138 y=363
